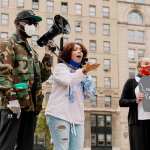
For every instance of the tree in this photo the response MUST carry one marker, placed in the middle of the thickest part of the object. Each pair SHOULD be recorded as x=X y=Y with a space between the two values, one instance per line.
x=42 y=134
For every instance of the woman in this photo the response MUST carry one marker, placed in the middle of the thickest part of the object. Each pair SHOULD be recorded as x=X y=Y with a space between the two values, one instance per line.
x=65 y=109
x=138 y=120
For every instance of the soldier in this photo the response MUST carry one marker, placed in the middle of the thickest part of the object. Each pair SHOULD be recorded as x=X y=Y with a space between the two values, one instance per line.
x=21 y=77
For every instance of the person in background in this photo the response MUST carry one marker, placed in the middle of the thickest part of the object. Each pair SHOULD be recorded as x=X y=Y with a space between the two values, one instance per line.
x=65 y=108
x=138 y=119
x=21 y=77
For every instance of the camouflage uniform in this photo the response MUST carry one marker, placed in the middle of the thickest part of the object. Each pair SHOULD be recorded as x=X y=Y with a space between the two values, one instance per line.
x=19 y=65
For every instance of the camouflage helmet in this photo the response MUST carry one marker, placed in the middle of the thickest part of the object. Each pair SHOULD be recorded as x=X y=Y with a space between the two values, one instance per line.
x=28 y=15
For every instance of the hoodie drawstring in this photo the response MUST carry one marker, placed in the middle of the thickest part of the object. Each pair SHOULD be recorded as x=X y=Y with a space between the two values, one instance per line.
x=73 y=129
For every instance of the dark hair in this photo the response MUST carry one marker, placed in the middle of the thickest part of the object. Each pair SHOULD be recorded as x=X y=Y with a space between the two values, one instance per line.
x=65 y=54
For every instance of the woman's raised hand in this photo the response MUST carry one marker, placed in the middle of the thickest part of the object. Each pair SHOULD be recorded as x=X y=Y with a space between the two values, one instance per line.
x=89 y=67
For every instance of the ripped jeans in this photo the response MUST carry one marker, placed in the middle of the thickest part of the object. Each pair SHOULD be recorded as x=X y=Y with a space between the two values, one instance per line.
x=65 y=136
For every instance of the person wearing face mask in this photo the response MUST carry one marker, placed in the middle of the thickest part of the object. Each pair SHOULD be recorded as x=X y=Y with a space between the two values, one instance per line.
x=21 y=77
x=138 y=119
x=65 y=108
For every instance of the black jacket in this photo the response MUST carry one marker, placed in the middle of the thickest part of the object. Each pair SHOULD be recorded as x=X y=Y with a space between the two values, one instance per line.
x=128 y=99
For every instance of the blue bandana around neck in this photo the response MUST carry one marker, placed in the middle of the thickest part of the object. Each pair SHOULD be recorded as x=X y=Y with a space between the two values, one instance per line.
x=74 y=64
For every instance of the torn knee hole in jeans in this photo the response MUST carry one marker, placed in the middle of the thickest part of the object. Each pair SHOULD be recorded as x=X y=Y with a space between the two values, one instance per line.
x=62 y=127
x=64 y=139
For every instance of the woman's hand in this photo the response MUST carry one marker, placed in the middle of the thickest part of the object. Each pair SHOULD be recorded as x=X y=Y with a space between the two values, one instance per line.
x=90 y=67
x=139 y=97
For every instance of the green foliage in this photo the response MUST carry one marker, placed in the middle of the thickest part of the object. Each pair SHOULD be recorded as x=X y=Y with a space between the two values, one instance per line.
x=42 y=131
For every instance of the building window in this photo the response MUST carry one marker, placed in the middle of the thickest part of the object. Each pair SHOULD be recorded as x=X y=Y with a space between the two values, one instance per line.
x=132 y=54
x=78 y=26
x=92 y=45
x=78 y=9
x=136 y=1
x=35 y=4
x=20 y=3
x=34 y=40
x=109 y=139
x=140 y=1
x=93 y=121
x=141 y=53
x=132 y=72
x=94 y=78
x=100 y=121
x=136 y=36
x=101 y=139
x=50 y=6
x=108 y=121
x=92 y=10
x=106 y=29
x=107 y=101
x=94 y=102
x=92 y=27
x=106 y=46
x=93 y=139
x=3 y=35
x=4 y=3
x=49 y=22
x=64 y=8
x=78 y=40
x=101 y=131
x=107 y=82
x=4 y=19
x=135 y=18
x=105 y=11
x=107 y=64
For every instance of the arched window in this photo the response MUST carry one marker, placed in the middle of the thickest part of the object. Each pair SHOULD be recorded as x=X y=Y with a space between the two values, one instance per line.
x=135 y=17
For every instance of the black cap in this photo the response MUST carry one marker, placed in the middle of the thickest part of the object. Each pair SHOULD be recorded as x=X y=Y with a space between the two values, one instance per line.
x=27 y=15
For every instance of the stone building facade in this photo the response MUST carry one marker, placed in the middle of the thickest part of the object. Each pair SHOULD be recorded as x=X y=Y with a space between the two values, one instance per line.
x=116 y=34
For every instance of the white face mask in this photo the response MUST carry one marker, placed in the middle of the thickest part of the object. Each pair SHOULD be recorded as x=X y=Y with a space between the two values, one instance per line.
x=30 y=29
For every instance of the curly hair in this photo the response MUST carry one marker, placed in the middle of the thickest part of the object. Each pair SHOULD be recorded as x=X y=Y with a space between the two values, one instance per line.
x=65 y=54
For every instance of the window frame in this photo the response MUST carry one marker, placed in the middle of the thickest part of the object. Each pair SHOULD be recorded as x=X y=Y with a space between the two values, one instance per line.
x=92 y=27
x=106 y=29
x=35 y=4
x=4 y=3
x=50 y=6
x=105 y=14
x=92 y=46
x=6 y=33
x=92 y=10
x=4 y=21
x=64 y=8
x=78 y=9
x=101 y=130
x=107 y=82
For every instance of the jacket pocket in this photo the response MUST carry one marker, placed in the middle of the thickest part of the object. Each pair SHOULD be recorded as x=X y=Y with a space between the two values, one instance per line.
x=23 y=94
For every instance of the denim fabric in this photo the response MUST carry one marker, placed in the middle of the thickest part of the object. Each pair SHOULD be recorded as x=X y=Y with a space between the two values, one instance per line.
x=65 y=136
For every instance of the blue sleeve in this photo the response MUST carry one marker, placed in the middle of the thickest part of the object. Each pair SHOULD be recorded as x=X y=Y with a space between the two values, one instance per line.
x=89 y=88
